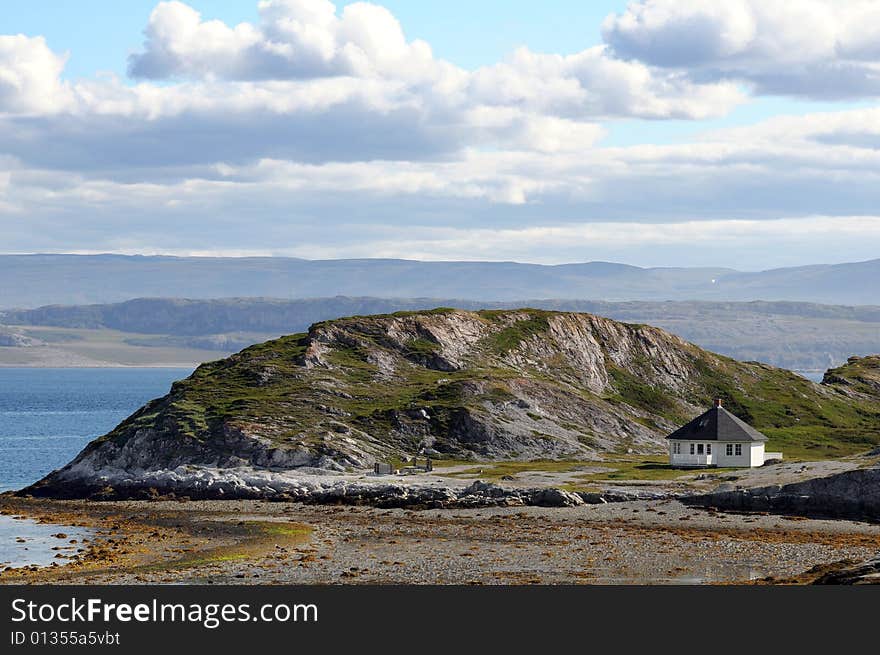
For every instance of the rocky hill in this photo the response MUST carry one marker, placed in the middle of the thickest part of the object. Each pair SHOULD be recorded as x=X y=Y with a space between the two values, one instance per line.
x=860 y=376
x=520 y=384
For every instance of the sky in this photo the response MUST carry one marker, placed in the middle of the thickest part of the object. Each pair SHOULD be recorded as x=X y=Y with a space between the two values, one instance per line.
x=655 y=133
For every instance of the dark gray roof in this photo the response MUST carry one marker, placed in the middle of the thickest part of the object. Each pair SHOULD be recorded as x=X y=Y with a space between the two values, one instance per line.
x=717 y=425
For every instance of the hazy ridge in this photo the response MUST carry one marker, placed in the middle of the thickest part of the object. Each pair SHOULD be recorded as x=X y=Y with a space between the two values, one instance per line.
x=802 y=336
x=35 y=280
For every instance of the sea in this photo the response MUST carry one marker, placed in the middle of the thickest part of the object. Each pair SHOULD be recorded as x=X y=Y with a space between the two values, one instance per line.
x=48 y=415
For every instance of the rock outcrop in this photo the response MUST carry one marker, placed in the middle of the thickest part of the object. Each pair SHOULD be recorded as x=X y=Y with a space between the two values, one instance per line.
x=867 y=572
x=316 y=486
x=849 y=495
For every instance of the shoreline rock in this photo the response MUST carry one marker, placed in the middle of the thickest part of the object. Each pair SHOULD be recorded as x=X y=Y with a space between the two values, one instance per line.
x=867 y=572
x=851 y=495
x=206 y=483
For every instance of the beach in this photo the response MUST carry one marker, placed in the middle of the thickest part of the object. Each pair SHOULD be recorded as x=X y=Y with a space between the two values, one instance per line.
x=256 y=542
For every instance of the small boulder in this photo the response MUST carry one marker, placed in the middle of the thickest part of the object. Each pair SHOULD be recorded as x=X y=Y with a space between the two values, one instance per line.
x=555 y=498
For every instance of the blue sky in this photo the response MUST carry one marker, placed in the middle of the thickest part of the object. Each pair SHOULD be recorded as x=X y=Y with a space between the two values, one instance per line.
x=526 y=132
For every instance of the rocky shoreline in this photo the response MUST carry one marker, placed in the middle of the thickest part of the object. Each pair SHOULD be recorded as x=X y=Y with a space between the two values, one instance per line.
x=829 y=492
x=257 y=542
x=849 y=495
x=324 y=488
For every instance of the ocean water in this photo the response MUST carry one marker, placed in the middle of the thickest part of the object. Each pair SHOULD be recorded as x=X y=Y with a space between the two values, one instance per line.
x=48 y=415
x=24 y=542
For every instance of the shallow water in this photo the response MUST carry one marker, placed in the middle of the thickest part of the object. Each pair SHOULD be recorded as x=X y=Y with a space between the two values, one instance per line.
x=717 y=573
x=48 y=415
x=24 y=542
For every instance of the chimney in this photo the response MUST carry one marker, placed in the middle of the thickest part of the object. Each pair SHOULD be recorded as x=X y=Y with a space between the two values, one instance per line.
x=718 y=402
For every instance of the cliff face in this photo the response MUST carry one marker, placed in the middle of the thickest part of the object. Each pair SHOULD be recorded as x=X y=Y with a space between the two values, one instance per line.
x=479 y=385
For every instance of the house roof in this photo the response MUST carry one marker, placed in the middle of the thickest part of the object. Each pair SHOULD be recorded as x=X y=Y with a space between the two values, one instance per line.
x=717 y=425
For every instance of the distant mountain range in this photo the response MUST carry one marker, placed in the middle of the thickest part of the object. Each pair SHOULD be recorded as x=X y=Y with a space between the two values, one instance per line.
x=30 y=281
x=801 y=336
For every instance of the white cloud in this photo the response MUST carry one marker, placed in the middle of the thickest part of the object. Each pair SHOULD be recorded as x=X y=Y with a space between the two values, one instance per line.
x=812 y=48
x=591 y=83
x=296 y=39
x=312 y=84
x=30 y=76
x=827 y=163
x=328 y=133
x=548 y=243
x=308 y=39
x=643 y=204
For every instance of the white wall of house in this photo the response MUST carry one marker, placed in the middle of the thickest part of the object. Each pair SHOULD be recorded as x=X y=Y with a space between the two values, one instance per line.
x=751 y=453
x=757 y=453
x=693 y=453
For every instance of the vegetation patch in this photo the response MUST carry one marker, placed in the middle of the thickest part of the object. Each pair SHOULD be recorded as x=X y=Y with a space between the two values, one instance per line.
x=635 y=392
x=495 y=471
x=421 y=346
x=508 y=338
x=640 y=468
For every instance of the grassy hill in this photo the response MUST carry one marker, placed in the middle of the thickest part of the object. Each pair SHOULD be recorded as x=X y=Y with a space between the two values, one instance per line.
x=489 y=385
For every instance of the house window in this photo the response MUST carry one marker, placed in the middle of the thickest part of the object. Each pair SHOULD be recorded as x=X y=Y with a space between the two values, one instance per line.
x=692 y=449
x=699 y=449
x=676 y=449
x=739 y=449
x=730 y=450
x=708 y=449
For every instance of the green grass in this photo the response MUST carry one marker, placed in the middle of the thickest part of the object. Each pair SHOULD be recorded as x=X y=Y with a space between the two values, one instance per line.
x=494 y=471
x=286 y=529
x=643 y=468
x=811 y=443
x=450 y=462
x=652 y=468
x=420 y=346
x=636 y=393
x=508 y=338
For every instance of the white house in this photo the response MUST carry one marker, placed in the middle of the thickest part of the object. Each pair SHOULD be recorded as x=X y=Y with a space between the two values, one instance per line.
x=718 y=438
